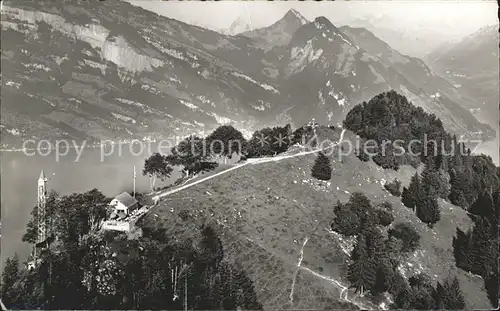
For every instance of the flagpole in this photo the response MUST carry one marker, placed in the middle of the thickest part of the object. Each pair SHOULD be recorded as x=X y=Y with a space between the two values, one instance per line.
x=134 y=180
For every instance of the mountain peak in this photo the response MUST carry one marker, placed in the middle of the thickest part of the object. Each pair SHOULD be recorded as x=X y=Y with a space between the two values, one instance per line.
x=294 y=15
x=322 y=22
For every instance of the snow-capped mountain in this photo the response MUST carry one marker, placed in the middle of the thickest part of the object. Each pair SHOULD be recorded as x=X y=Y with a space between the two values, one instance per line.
x=110 y=70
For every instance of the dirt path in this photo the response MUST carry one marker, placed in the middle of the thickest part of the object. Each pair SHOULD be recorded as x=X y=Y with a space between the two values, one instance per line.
x=252 y=161
x=298 y=268
x=344 y=294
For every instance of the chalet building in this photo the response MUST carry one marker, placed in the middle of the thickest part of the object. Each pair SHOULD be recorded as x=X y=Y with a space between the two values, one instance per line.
x=123 y=205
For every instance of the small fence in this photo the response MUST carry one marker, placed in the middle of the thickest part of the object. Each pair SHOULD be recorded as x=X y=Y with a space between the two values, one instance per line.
x=115 y=225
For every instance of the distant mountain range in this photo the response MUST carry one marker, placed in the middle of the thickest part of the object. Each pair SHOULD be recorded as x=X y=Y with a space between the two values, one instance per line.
x=472 y=66
x=110 y=70
x=405 y=39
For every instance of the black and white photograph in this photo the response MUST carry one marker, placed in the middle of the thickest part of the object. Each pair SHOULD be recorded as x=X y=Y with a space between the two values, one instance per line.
x=249 y=155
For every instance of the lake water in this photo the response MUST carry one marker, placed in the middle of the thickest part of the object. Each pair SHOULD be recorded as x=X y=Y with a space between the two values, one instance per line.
x=111 y=174
x=19 y=175
x=490 y=148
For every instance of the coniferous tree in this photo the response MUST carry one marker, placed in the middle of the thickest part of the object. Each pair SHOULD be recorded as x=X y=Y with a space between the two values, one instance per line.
x=346 y=220
x=361 y=272
x=375 y=244
x=361 y=205
x=211 y=247
x=420 y=295
x=463 y=258
x=407 y=198
x=10 y=290
x=246 y=298
x=413 y=195
x=458 y=186
x=481 y=246
x=430 y=181
x=385 y=275
x=491 y=283
x=483 y=206
x=428 y=211
x=322 y=168
x=450 y=295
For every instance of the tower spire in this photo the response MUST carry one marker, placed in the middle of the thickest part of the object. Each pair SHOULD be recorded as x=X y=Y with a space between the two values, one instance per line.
x=42 y=175
x=41 y=202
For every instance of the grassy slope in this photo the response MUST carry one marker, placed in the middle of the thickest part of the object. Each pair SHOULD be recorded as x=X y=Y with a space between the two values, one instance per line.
x=266 y=211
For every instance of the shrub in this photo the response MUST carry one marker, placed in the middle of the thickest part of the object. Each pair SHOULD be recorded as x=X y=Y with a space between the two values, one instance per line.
x=385 y=218
x=386 y=206
x=406 y=233
x=184 y=215
x=394 y=187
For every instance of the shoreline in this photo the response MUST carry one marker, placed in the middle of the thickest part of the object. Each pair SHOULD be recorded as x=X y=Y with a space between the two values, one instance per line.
x=77 y=147
x=94 y=146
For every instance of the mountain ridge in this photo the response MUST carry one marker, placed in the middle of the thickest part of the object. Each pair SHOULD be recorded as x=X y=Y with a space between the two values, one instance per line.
x=472 y=65
x=98 y=74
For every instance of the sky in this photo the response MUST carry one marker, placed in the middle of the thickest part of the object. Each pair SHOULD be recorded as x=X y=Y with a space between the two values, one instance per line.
x=458 y=18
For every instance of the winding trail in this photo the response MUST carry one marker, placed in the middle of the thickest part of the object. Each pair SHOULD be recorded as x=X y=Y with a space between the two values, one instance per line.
x=344 y=294
x=297 y=271
x=252 y=161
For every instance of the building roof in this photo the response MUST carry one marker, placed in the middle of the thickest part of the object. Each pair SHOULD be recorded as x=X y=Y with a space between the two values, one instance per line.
x=126 y=199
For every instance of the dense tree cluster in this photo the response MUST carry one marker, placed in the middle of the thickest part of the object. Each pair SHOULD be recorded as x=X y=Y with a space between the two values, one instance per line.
x=11 y=275
x=108 y=271
x=226 y=140
x=390 y=117
x=357 y=214
x=374 y=260
x=471 y=175
x=423 y=193
x=322 y=168
x=420 y=294
x=451 y=173
x=270 y=141
x=305 y=135
x=195 y=154
x=477 y=250
x=70 y=217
